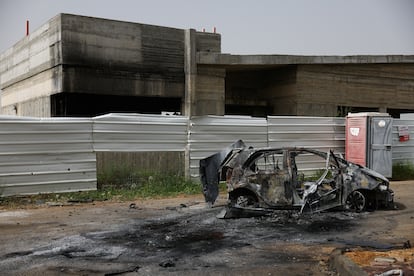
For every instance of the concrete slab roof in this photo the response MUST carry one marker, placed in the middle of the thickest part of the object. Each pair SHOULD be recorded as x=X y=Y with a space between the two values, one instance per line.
x=229 y=60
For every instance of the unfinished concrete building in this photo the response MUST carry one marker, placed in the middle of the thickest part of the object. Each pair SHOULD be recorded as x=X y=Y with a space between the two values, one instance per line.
x=83 y=66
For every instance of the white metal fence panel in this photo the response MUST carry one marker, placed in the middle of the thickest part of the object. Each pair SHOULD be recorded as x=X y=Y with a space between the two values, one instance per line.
x=46 y=155
x=138 y=132
x=402 y=151
x=210 y=134
x=320 y=133
x=58 y=154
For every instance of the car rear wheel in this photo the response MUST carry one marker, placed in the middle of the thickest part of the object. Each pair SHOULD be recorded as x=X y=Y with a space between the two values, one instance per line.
x=356 y=201
x=245 y=201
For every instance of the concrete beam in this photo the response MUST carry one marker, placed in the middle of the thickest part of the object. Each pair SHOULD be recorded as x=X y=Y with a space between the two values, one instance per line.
x=217 y=59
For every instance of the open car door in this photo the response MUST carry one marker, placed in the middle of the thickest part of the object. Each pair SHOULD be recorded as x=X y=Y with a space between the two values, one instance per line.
x=326 y=191
x=210 y=171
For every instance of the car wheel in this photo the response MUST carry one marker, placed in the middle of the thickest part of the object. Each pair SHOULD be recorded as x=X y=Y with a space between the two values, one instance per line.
x=245 y=201
x=355 y=202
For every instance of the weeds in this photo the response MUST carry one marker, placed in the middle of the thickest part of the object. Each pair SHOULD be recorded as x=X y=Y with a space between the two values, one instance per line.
x=121 y=186
x=403 y=171
x=146 y=184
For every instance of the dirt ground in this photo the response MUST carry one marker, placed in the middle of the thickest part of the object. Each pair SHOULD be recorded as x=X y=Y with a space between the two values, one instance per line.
x=182 y=236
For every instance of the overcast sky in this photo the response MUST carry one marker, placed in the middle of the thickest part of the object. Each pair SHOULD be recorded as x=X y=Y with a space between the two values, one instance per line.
x=301 y=27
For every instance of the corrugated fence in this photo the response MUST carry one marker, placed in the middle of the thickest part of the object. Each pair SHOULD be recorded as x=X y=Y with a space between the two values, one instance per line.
x=402 y=151
x=46 y=155
x=210 y=134
x=139 y=132
x=137 y=142
x=59 y=154
x=321 y=133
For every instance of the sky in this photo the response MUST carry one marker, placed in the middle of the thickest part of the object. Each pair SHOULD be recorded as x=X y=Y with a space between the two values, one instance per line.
x=290 y=27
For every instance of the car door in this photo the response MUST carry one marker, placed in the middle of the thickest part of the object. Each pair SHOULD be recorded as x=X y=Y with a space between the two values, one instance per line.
x=319 y=176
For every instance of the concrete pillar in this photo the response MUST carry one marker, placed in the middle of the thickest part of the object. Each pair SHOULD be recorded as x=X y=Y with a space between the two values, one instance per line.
x=204 y=86
x=190 y=71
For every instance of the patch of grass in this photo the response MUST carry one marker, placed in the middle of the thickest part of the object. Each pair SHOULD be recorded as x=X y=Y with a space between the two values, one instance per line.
x=138 y=183
x=403 y=171
x=156 y=185
x=141 y=185
x=146 y=184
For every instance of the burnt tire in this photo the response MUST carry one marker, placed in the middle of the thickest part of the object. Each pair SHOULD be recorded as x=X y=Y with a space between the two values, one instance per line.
x=356 y=202
x=244 y=200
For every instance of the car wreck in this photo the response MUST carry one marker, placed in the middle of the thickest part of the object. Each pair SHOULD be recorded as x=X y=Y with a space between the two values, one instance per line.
x=263 y=179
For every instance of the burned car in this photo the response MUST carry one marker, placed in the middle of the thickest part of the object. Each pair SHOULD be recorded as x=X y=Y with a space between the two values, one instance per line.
x=302 y=178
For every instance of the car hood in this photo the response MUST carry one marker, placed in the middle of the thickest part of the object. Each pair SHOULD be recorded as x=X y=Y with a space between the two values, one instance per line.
x=371 y=173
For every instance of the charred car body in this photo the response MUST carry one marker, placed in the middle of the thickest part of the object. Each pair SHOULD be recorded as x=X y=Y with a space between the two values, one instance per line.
x=280 y=178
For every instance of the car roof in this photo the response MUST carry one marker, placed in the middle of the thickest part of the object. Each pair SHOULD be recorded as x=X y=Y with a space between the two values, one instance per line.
x=260 y=151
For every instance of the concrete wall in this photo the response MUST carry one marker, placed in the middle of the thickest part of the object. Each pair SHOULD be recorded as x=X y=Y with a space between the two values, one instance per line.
x=93 y=56
x=38 y=107
x=322 y=88
x=31 y=96
x=204 y=86
x=210 y=91
x=262 y=92
x=208 y=42
x=210 y=82
x=121 y=58
x=33 y=54
x=113 y=57
x=315 y=85
x=30 y=71
x=281 y=91
x=246 y=92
